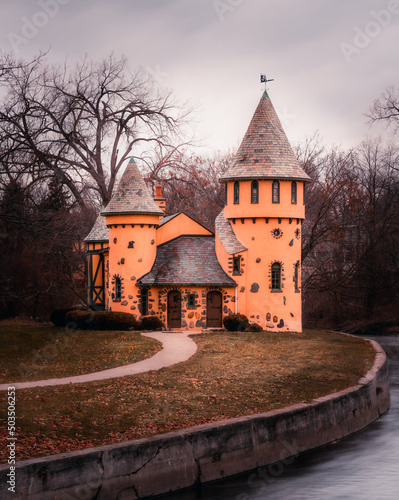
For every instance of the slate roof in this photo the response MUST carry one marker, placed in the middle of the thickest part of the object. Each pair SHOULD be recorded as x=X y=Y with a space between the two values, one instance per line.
x=132 y=195
x=265 y=152
x=226 y=235
x=187 y=260
x=99 y=232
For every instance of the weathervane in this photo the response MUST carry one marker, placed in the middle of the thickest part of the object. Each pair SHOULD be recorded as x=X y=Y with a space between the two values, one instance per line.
x=264 y=80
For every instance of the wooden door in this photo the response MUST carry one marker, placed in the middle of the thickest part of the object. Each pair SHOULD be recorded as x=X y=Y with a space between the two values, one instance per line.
x=174 y=309
x=214 y=310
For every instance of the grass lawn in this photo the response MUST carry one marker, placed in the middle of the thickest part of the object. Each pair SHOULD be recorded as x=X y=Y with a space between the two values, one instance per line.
x=232 y=374
x=35 y=352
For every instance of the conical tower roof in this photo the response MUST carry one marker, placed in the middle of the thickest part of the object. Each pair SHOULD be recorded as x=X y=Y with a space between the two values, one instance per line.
x=265 y=152
x=99 y=232
x=132 y=195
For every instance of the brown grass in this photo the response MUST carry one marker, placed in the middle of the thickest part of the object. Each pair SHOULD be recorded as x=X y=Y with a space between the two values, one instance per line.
x=232 y=374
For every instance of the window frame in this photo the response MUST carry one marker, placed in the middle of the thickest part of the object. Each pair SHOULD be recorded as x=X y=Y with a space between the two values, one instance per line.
x=236 y=265
x=118 y=289
x=191 y=301
x=276 y=279
x=254 y=192
x=236 y=197
x=144 y=301
x=275 y=191
x=294 y=193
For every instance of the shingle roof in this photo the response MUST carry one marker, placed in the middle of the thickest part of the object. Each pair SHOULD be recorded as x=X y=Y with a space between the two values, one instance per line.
x=265 y=152
x=226 y=235
x=132 y=195
x=187 y=260
x=99 y=232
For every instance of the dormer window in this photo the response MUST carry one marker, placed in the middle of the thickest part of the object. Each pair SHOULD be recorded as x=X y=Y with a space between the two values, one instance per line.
x=254 y=192
x=276 y=192
x=236 y=193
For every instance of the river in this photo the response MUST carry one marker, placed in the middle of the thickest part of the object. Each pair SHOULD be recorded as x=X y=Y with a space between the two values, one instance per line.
x=364 y=466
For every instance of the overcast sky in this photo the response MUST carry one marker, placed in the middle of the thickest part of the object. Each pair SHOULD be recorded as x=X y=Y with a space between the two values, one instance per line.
x=329 y=59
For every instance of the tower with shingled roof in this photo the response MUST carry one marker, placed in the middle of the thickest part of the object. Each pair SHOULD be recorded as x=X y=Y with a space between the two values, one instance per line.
x=258 y=234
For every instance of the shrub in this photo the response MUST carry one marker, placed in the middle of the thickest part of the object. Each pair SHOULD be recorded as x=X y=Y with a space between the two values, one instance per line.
x=254 y=327
x=151 y=323
x=235 y=322
x=58 y=316
x=102 y=320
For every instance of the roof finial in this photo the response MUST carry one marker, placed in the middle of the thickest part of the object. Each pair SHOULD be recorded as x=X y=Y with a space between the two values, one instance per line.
x=264 y=80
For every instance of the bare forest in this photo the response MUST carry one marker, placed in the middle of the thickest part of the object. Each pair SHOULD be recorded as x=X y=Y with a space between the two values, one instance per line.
x=65 y=136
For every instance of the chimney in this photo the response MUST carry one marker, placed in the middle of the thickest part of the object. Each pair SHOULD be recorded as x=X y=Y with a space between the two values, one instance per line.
x=159 y=199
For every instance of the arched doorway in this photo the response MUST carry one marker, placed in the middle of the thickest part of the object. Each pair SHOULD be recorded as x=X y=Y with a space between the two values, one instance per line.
x=214 y=309
x=174 y=309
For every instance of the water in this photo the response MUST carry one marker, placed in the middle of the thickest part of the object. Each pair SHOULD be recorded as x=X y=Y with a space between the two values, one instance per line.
x=361 y=467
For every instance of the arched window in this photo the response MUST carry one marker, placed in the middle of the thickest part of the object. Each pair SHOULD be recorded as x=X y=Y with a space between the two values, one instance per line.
x=254 y=192
x=118 y=289
x=236 y=193
x=276 y=276
x=276 y=192
x=293 y=192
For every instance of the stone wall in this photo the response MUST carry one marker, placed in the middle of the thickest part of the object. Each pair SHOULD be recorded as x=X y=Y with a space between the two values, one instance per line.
x=138 y=469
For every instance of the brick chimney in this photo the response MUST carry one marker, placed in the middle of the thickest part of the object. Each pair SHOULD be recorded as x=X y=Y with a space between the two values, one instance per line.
x=159 y=199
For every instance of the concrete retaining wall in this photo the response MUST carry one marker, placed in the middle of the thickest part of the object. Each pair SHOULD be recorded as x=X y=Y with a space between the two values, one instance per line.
x=176 y=460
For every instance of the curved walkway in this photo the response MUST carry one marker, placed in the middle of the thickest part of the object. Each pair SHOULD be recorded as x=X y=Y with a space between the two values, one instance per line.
x=177 y=347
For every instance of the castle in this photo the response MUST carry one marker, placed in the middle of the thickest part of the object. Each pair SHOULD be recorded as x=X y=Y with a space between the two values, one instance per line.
x=145 y=263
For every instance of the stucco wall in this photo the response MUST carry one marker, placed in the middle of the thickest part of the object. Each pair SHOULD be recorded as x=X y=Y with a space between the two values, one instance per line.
x=145 y=467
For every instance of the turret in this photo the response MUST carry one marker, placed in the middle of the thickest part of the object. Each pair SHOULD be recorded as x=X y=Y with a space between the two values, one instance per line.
x=264 y=209
x=132 y=217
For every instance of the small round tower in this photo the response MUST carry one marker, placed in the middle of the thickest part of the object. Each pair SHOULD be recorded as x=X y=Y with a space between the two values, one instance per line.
x=265 y=207
x=132 y=217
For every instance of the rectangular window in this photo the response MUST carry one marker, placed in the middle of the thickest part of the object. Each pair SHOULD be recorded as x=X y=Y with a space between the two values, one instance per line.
x=276 y=192
x=191 y=300
x=293 y=192
x=144 y=301
x=237 y=265
x=276 y=277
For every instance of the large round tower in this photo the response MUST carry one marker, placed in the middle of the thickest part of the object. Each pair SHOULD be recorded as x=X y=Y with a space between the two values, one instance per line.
x=132 y=217
x=258 y=235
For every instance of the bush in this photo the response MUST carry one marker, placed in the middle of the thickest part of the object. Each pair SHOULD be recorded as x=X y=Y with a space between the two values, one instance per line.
x=151 y=323
x=254 y=327
x=58 y=316
x=235 y=322
x=102 y=320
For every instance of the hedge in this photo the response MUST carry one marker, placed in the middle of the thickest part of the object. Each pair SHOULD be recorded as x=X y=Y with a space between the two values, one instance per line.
x=102 y=320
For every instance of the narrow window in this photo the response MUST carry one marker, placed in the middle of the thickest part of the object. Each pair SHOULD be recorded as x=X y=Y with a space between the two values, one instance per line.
x=191 y=300
x=276 y=192
x=293 y=192
x=276 y=277
x=254 y=192
x=118 y=289
x=225 y=194
x=237 y=265
x=296 y=277
x=304 y=193
x=144 y=301
x=236 y=192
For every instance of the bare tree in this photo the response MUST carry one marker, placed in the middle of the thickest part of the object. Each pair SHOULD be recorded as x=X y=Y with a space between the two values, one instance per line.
x=80 y=125
x=386 y=108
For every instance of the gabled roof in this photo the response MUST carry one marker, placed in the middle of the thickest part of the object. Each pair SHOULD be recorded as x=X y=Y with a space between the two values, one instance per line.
x=187 y=260
x=132 y=195
x=265 y=152
x=99 y=232
x=226 y=235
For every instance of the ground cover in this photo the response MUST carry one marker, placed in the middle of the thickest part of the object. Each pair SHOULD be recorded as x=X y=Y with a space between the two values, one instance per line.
x=232 y=374
x=32 y=351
